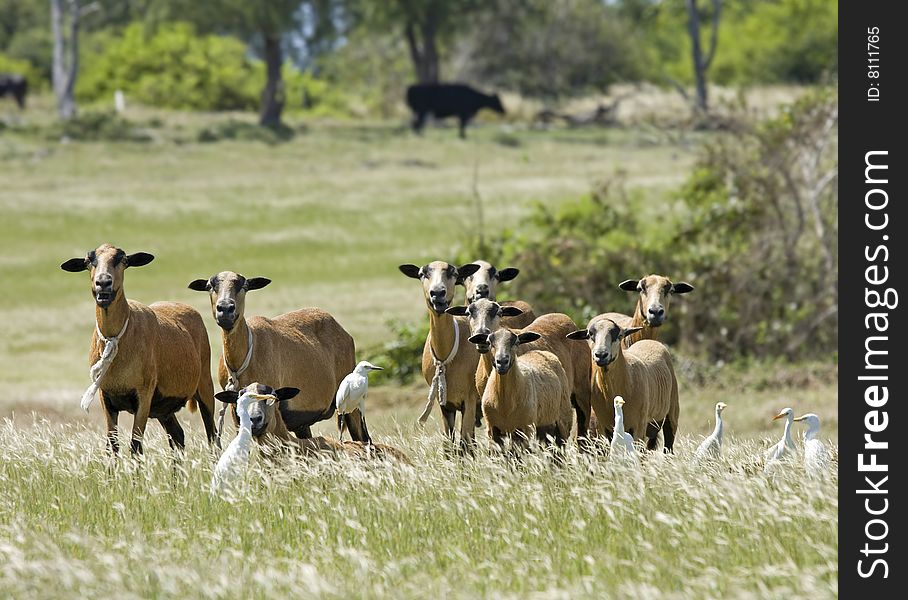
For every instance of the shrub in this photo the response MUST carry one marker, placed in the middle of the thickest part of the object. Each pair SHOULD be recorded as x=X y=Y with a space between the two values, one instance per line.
x=24 y=68
x=402 y=356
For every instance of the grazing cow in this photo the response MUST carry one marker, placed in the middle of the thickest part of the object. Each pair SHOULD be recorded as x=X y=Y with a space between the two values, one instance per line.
x=448 y=100
x=15 y=86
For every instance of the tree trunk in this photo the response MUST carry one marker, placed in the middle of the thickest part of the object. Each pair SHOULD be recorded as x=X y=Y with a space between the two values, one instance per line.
x=273 y=94
x=424 y=53
x=64 y=76
x=693 y=30
x=701 y=62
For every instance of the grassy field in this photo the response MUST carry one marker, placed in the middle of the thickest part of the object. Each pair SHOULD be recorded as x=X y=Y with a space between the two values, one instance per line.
x=328 y=216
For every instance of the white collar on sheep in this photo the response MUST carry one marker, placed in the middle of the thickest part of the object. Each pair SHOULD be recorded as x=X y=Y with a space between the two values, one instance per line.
x=439 y=386
x=233 y=378
x=97 y=370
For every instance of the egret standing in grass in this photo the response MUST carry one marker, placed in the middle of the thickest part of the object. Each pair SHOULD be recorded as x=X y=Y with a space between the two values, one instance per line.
x=352 y=395
x=231 y=467
x=712 y=445
x=785 y=447
x=816 y=459
x=622 y=447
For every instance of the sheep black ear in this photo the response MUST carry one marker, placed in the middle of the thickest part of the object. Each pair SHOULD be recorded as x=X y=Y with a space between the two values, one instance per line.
x=628 y=331
x=466 y=270
x=199 y=285
x=630 y=285
x=580 y=334
x=285 y=393
x=457 y=311
x=510 y=311
x=479 y=338
x=528 y=336
x=75 y=265
x=507 y=274
x=256 y=283
x=682 y=287
x=139 y=259
x=411 y=271
x=227 y=396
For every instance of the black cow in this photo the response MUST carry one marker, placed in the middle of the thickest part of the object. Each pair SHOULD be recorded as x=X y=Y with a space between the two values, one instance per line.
x=448 y=100
x=15 y=86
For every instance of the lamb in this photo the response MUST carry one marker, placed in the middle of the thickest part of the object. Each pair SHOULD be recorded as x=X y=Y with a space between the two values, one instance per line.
x=314 y=447
x=484 y=284
x=448 y=369
x=305 y=349
x=651 y=309
x=528 y=390
x=642 y=374
x=486 y=316
x=147 y=360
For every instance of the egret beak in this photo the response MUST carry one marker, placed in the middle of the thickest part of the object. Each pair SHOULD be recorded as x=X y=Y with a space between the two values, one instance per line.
x=801 y=418
x=271 y=399
x=778 y=416
x=374 y=368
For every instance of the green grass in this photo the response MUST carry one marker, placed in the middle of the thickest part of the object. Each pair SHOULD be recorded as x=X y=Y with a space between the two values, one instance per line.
x=74 y=523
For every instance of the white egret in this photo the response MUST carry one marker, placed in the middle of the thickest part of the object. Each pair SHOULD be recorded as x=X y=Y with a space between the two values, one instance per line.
x=622 y=447
x=712 y=445
x=352 y=395
x=816 y=459
x=785 y=447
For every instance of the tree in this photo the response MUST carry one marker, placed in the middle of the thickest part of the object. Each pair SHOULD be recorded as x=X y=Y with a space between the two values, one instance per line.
x=262 y=23
x=700 y=62
x=425 y=24
x=66 y=60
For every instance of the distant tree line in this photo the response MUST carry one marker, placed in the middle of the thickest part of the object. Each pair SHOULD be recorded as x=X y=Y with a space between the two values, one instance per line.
x=370 y=49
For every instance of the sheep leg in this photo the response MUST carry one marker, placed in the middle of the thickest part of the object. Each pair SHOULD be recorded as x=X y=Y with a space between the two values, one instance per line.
x=468 y=426
x=418 y=121
x=463 y=126
x=450 y=416
x=175 y=435
x=583 y=423
x=356 y=424
x=111 y=415
x=652 y=436
x=207 y=412
x=668 y=432
x=497 y=437
x=139 y=422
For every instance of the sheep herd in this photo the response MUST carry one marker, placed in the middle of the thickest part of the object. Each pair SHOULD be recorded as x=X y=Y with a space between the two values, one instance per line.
x=528 y=376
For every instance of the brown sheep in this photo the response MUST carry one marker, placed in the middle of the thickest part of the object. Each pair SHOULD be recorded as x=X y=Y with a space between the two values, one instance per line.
x=314 y=446
x=484 y=284
x=447 y=365
x=486 y=316
x=525 y=390
x=147 y=360
x=651 y=309
x=306 y=349
x=642 y=374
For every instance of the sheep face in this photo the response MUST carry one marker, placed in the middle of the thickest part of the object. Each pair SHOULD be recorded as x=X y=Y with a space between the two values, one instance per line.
x=503 y=344
x=655 y=293
x=438 y=281
x=484 y=282
x=260 y=413
x=106 y=265
x=484 y=317
x=227 y=292
x=604 y=336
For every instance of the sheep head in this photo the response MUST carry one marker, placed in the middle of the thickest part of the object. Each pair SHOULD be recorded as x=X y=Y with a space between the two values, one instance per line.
x=227 y=292
x=504 y=344
x=484 y=282
x=604 y=336
x=484 y=317
x=655 y=293
x=258 y=401
x=106 y=265
x=438 y=281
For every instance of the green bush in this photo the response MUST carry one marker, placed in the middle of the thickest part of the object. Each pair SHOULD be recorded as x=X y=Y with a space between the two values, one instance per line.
x=402 y=356
x=92 y=126
x=754 y=229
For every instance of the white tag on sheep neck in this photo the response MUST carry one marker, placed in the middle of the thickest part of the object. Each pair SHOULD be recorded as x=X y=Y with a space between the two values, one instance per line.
x=233 y=377
x=97 y=370
x=439 y=387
